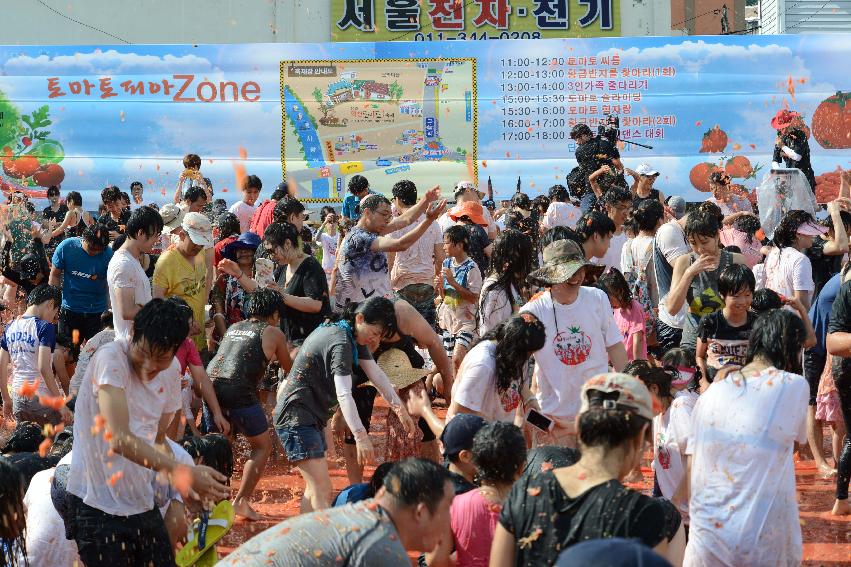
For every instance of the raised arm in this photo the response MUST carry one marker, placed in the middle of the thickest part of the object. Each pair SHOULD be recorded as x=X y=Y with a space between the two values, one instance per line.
x=411 y=215
x=387 y=244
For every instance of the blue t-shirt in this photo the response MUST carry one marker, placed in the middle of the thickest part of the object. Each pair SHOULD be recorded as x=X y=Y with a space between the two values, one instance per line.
x=84 y=287
x=350 y=204
x=820 y=312
x=352 y=494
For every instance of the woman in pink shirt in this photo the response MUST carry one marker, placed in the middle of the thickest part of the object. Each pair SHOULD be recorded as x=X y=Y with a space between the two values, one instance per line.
x=629 y=314
x=499 y=453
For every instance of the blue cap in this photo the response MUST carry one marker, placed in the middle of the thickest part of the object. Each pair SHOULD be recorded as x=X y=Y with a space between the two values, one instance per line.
x=246 y=241
x=611 y=552
x=458 y=434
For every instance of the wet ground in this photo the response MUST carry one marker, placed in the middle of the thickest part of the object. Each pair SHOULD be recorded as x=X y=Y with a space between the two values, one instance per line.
x=827 y=539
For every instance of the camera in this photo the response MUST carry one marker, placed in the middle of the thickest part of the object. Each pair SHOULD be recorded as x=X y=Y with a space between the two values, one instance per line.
x=610 y=128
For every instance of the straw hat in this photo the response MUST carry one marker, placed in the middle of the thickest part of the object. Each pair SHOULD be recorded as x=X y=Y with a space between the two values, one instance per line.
x=397 y=366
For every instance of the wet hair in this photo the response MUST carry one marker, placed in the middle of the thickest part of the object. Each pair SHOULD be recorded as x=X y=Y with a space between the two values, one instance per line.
x=375 y=311
x=25 y=438
x=110 y=194
x=541 y=203
x=372 y=202
x=786 y=232
x=499 y=451
x=286 y=207
x=183 y=305
x=406 y=191
x=615 y=285
x=12 y=535
x=516 y=338
x=511 y=262
x=765 y=300
x=146 y=220
x=845 y=216
x=252 y=182
x=457 y=234
x=278 y=233
x=325 y=211
x=417 y=481
x=358 y=184
x=96 y=235
x=608 y=428
x=557 y=233
x=29 y=206
x=677 y=357
x=778 y=337
x=521 y=201
x=711 y=209
x=735 y=278
x=648 y=214
x=213 y=449
x=194 y=193
x=733 y=248
x=263 y=303
x=594 y=222
x=616 y=194
x=125 y=196
x=548 y=457
x=702 y=224
x=378 y=476
x=652 y=376
x=228 y=224
x=559 y=193
x=43 y=293
x=52 y=191
x=162 y=324
x=75 y=198
x=749 y=225
x=209 y=183
x=106 y=318
x=192 y=161
x=136 y=184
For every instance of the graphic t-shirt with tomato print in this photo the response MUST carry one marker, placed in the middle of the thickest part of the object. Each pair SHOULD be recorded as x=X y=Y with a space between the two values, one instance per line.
x=577 y=338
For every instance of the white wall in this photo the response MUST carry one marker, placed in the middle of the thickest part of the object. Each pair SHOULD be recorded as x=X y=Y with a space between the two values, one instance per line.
x=805 y=16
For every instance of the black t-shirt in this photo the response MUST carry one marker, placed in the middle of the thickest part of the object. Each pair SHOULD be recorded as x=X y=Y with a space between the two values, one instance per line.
x=310 y=281
x=824 y=267
x=58 y=215
x=239 y=365
x=592 y=155
x=545 y=521
x=727 y=345
x=840 y=322
x=460 y=484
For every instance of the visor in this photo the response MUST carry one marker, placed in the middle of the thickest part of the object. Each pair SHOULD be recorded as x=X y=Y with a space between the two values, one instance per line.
x=811 y=229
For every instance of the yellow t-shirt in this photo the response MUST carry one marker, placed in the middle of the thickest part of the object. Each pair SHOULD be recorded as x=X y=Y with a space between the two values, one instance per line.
x=179 y=276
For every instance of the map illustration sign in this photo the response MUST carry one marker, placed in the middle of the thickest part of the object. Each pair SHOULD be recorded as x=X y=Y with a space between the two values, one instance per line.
x=391 y=118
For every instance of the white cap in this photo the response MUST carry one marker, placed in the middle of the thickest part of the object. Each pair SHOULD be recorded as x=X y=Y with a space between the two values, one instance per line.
x=199 y=229
x=172 y=217
x=645 y=169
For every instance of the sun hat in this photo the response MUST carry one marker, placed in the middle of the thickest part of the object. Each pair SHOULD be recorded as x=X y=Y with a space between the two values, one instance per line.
x=246 y=241
x=562 y=259
x=458 y=433
x=784 y=118
x=199 y=229
x=645 y=169
x=397 y=366
x=811 y=229
x=172 y=217
x=470 y=209
x=631 y=393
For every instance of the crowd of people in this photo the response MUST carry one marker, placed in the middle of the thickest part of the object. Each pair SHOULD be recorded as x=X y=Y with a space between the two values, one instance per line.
x=533 y=355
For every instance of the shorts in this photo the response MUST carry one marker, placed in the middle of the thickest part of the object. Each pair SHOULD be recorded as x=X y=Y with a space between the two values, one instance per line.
x=814 y=362
x=421 y=297
x=302 y=442
x=463 y=338
x=88 y=324
x=828 y=407
x=107 y=540
x=250 y=421
x=29 y=409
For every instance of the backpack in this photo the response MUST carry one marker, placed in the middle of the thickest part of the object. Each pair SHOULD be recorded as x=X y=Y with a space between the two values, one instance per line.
x=636 y=279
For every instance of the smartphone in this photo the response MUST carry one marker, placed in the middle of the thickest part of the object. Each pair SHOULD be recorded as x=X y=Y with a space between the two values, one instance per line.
x=539 y=420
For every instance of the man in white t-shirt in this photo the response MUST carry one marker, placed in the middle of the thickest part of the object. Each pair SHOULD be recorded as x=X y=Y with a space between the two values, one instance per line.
x=413 y=270
x=129 y=286
x=582 y=337
x=618 y=203
x=245 y=208
x=129 y=395
x=466 y=191
x=670 y=243
x=596 y=231
x=560 y=212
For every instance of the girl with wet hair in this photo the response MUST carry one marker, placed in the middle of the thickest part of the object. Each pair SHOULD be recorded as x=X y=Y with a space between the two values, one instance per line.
x=587 y=500
x=745 y=427
x=13 y=547
x=511 y=263
x=491 y=382
x=788 y=270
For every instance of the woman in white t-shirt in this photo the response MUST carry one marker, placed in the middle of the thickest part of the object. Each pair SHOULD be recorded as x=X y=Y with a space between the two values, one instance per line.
x=743 y=507
x=492 y=380
x=511 y=262
x=327 y=238
x=788 y=271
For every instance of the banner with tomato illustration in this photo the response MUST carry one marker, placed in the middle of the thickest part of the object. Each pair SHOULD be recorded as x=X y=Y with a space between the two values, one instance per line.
x=85 y=117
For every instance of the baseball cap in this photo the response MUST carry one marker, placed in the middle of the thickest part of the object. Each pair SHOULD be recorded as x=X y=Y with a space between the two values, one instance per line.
x=458 y=434
x=462 y=186
x=645 y=169
x=811 y=229
x=199 y=229
x=172 y=217
x=631 y=392
x=678 y=206
x=562 y=259
x=611 y=552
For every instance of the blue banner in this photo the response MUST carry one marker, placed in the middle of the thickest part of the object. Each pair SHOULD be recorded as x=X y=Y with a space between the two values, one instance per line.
x=439 y=112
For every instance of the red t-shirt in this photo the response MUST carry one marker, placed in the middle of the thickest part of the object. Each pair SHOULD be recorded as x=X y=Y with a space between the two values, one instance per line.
x=262 y=217
x=217 y=249
x=187 y=353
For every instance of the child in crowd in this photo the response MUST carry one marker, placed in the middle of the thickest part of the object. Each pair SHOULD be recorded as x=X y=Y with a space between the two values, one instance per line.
x=459 y=287
x=364 y=490
x=244 y=209
x=722 y=337
x=326 y=238
x=629 y=315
